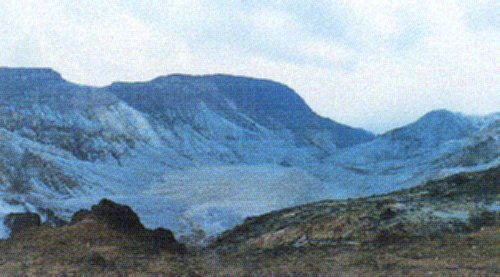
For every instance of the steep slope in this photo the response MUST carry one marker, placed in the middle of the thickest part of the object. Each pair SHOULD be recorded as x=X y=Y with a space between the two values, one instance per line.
x=270 y=104
x=40 y=106
x=231 y=115
x=61 y=141
x=57 y=124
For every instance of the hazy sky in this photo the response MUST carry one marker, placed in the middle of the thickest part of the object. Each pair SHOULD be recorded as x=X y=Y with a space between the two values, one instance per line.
x=372 y=64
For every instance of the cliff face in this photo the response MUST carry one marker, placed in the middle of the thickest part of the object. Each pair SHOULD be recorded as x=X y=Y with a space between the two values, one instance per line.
x=242 y=119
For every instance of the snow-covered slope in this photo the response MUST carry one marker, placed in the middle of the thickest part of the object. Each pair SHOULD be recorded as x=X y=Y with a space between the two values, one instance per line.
x=206 y=151
x=236 y=119
x=60 y=140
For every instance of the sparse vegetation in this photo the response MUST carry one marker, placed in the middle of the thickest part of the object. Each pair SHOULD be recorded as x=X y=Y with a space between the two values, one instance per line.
x=69 y=251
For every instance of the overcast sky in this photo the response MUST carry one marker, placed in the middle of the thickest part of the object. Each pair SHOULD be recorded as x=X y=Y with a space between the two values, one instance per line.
x=371 y=64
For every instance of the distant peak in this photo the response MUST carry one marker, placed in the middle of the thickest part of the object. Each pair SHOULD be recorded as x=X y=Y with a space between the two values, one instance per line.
x=440 y=115
x=439 y=112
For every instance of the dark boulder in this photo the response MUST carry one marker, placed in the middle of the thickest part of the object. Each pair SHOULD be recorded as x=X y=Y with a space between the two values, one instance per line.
x=123 y=219
x=119 y=217
x=79 y=216
x=388 y=214
x=162 y=239
x=18 y=222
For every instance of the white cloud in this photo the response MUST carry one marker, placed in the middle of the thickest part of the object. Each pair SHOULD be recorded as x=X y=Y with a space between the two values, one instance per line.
x=91 y=43
x=376 y=64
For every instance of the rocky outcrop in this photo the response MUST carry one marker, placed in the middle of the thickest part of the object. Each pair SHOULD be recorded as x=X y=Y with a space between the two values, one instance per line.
x=123 y=219
x=118 y=217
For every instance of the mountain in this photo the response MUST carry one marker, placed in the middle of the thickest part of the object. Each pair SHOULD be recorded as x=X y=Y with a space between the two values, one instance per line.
x=435 y=128
x=436 y=145
x=64 y=145
x=204 y=152
x=37 y=104
x=482 y=147
x=221 y=112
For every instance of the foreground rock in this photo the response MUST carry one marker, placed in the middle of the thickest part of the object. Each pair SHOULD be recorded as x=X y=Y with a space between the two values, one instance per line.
x=122 y=218
x=89 y=247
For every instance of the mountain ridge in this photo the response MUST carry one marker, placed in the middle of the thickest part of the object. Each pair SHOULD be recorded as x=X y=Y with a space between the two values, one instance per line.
x=63 y=145
x=264 y=100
